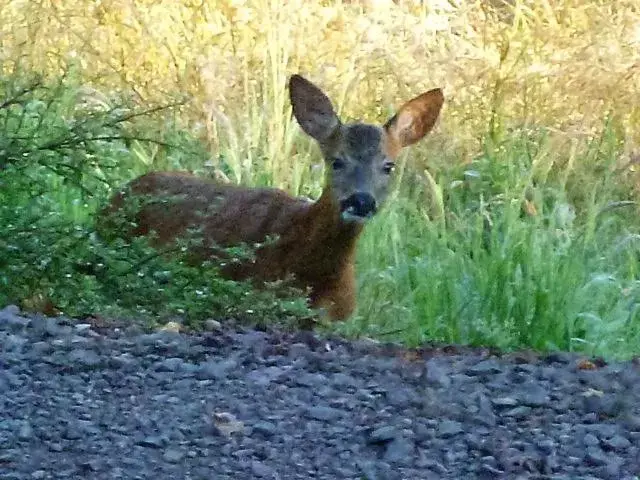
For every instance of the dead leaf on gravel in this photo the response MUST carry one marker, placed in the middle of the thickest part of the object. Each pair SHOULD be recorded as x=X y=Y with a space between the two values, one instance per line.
x=227 y=423
x=592 y=392
x=410 y=356
x=585 y=364
x=171 y=327
x=40 y=303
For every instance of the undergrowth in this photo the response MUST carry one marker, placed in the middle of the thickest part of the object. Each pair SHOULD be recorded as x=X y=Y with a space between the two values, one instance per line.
x=520 y=262
x=61 y=158
x=515 y=223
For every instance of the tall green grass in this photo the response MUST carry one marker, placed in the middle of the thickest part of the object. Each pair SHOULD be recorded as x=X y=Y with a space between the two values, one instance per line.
x=564 y=278
x=60 y=160
x=541 y=114
x=454 y=256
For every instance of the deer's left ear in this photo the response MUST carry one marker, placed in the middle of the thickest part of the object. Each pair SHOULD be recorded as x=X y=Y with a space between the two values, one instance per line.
x=415 y=118
x=312 y=108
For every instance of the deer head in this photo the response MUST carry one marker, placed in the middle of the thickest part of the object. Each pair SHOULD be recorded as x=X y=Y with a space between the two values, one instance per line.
x=360 y=157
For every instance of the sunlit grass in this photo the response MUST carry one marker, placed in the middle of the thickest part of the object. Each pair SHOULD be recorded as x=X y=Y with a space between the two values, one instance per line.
x=513 y=224
x=561 y=64
x=547 y=281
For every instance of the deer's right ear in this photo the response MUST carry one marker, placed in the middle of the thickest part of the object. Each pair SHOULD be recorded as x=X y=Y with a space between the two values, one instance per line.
x=312 y=109
x=415 y=118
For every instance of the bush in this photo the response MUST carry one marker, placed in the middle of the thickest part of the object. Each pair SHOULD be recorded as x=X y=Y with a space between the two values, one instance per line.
x=59 y=159
x=514 y=223
x=524 y=257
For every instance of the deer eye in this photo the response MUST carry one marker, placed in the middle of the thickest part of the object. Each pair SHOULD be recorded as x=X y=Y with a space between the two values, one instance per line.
x=388 y=167
x=338 y=164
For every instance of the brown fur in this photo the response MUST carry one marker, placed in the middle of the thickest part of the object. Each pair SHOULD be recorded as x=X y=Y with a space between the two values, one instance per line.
x=315 y=243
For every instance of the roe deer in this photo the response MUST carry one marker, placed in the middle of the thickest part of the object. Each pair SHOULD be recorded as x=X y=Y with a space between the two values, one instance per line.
x=315 y=241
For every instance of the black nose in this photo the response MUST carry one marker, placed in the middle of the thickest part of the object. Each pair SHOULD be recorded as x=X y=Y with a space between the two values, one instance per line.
x=359 y=204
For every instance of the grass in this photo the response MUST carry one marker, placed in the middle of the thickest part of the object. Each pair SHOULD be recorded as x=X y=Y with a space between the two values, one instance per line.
x=514 y=224
x=549 y=281
x=60 y=161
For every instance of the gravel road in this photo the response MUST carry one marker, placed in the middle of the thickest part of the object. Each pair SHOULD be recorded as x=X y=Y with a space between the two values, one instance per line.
x=83 y=402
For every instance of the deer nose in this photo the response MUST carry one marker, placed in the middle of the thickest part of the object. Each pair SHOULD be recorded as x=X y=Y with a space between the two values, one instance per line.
x=359 y=204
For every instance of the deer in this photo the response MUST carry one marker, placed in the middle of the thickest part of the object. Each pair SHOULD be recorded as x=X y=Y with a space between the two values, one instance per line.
x=313 y=242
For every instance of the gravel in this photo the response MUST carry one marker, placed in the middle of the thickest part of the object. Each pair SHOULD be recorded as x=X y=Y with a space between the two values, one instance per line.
x=79 y=401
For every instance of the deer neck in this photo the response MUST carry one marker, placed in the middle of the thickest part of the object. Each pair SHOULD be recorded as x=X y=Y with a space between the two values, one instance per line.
x=330 y=239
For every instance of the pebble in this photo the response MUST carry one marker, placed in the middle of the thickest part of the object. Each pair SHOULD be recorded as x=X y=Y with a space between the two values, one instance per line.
x=271 y=405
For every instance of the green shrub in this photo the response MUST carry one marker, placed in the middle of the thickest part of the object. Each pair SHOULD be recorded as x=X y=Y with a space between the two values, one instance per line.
x=62 y=153
x=561 y=275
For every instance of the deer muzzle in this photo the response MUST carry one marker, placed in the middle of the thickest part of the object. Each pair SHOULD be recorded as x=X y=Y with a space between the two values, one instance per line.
x=358 y=207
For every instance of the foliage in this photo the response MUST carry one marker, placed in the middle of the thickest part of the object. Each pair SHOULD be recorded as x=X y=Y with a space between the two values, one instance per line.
x=559 y=277
x=59 y=158
x=515 y=223
x=559 y=63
